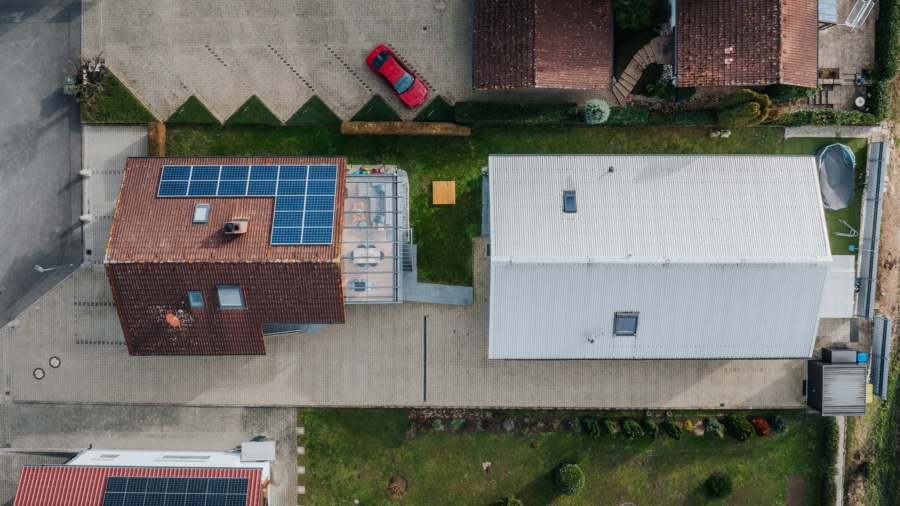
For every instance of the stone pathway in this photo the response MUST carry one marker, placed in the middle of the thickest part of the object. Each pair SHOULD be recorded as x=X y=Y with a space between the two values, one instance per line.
x=301 y=470
x=656 y=51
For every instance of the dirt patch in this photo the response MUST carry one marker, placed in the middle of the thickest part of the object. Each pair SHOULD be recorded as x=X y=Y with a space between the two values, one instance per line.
x=796 y=491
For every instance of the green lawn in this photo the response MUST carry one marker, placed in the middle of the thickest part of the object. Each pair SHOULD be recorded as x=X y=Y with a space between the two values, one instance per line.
x=350 y=455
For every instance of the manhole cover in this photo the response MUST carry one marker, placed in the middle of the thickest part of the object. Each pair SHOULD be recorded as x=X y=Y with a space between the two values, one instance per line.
x=38 y=373
x=54 y=362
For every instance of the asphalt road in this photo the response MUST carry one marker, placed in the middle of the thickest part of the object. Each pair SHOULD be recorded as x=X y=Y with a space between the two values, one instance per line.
x=40 y=150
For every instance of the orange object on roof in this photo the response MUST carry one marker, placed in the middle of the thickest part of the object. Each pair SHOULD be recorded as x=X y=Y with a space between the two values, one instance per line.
x=173 y=320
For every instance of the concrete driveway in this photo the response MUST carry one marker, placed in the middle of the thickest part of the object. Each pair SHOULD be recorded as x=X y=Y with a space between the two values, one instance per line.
x=40 y=150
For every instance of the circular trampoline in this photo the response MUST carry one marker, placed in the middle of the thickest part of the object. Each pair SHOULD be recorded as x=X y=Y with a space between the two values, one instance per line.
x=836 y=164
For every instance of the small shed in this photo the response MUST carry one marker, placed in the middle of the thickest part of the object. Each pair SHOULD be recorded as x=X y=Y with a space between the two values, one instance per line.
x=836 y=388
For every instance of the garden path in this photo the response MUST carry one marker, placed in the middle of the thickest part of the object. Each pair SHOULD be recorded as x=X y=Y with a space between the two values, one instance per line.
x=657 y=50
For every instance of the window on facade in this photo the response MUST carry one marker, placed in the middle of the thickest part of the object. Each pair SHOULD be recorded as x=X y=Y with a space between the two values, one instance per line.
x=625 y=324
x=230 y=297
x=201 y=213
x=569 y=202
x=195 y=299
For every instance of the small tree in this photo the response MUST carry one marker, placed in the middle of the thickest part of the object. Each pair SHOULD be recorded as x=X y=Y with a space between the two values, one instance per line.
x=631 y=429
x=718 y=485
x=672 y=429
x=596 y=112
x=743 y=108
x=609 y=426
x=714 y=428
x=569 y=479
x=591 y=426
x=651 y=428
x=778 y=424
x=738 y=427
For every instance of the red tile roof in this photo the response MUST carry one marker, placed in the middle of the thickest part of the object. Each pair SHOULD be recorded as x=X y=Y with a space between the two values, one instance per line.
x=156 y=255
x=85 y=486
x=542 y=43
x=747 y=42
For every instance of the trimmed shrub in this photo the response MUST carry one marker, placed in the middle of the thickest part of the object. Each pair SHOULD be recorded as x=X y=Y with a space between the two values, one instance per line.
x=705 y=117
x=686 y=92
x=596 y=112
x=193 y=112
x=718 y=485
x=714 y=428
x=738 y=427
x=313 y=112
x=819 y=117
x=376 y=109
x=437 y=425
x=591 y=426
x=507 y=113
x=569 y=479
x=887 y=33
x=575 y=424
x=609 y=426
x=778 y=424
x=631 y=429
x=508 y=425
x=789 y=92
x=743 y=108
x=437 y=111
x=457 y=423
x=760 y=426
x=625 y=116
x=829 y=461
x=688 y=426
x=651 y=428
x=672 y=429
x=404 y=128
x=253 y=112
x=880 y=103
x=509 y=501
x=661 y=118
x=397 y=487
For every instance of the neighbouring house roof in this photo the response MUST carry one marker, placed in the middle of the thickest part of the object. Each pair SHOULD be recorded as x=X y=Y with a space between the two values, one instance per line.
x=87 y=486
x=721 y=256
x=157 y=254
x=542 y=43
x=773 y=41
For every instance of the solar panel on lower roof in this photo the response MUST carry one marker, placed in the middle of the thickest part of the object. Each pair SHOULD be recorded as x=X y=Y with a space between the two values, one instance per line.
x=141 y=491
x=296 y=188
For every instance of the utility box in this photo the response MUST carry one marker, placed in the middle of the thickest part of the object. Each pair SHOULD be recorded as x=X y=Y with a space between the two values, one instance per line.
x=838 y=355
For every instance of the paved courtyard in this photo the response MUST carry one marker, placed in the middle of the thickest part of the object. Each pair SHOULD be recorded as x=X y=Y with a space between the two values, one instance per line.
x=284 y=51
x=411 y=354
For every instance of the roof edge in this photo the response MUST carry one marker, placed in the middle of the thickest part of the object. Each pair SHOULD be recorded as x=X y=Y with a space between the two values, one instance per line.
x=513 y=260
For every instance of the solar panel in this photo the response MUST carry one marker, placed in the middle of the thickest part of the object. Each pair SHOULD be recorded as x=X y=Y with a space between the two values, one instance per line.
x=296 y=188
x=141 y=491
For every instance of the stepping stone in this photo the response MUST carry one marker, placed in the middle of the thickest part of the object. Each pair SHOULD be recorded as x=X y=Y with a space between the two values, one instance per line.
x=301 y=469
x=301 y=431
x=301 y=489
x=301 y=450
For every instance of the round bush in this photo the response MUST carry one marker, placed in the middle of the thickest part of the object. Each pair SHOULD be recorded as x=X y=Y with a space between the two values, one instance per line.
x=778 y=424
x=739 y=428
x=509 y=501
x=596 y=112
x=591 y=426
x=631 y=429
x=569 y=479
x=651 y=428
x=718 y=485
x=609 y=426
x=672 y=429
x=761 y=426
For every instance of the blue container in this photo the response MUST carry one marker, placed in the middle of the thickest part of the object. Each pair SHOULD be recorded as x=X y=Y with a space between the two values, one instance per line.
x=862 y=358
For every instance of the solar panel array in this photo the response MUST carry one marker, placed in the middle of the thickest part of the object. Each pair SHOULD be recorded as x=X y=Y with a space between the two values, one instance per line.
x=143 y=491
x=304 y=194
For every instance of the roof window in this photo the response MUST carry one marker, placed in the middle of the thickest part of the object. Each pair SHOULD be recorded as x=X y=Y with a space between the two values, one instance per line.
x=625 y=324
x=569 y=202
x=201 y=213
x=230 y=297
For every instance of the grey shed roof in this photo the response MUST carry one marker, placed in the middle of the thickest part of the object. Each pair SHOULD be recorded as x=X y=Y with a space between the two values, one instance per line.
x=720 y=256
x=258 y=451
x=836 y=389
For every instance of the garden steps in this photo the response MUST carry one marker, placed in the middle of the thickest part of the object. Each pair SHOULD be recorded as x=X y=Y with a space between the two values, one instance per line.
x=654 y=52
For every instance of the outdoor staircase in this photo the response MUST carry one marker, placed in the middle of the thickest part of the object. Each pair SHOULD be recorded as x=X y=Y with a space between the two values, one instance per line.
x=822 y=99
x=656 y=51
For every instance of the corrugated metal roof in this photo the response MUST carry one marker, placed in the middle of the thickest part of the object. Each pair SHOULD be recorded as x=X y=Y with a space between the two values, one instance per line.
x=721 y=256
x=840 y=292
x=870 y=231
x=881 y=355
x=844 y=389
x=696 y=208
x=85 y=486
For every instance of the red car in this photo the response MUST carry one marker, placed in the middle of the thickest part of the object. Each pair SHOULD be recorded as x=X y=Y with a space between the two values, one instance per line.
x=402 y=81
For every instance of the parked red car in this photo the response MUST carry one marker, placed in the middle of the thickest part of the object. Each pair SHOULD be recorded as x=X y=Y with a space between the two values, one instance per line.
x=402 y=81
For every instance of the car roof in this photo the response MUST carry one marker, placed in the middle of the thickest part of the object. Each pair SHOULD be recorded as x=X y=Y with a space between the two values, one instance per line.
x=391 y=70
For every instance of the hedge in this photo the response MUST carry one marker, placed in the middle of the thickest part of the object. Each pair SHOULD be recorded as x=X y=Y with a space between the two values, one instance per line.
x=825 y=117
x=505 y=113
x=313 y=112
x=887 y=33
x=705 y=117
x=403 y=128
x=193 y=112
x=829 y=461
x=625 y=116
x=253 y=112
x=789 y=92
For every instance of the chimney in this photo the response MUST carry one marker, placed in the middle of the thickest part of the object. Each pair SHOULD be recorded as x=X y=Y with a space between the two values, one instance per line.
x=237 y=226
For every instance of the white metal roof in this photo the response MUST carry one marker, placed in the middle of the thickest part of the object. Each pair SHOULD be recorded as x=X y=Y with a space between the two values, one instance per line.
x=720 y=256
x=840 y=292
x=679 y=207
x=163 y=458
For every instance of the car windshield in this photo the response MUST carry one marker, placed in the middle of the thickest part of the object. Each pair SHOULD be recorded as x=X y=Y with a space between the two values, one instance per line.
x=379 y=59
x=404 y=83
